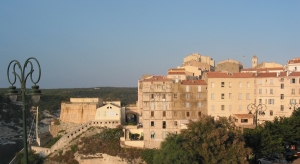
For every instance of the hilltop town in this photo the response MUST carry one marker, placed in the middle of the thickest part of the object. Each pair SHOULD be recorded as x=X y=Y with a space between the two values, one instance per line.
x=166 y=104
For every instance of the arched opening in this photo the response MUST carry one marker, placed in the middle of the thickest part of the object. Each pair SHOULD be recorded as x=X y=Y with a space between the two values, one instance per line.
x=131 y=119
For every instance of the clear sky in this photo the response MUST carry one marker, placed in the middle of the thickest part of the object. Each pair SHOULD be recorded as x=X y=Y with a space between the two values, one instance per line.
x=99 y=43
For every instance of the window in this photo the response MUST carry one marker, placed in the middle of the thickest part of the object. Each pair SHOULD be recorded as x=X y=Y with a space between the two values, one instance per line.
x=271 y=91
x=255 y=91
x=164 y=113
x=230 y=107
x=248 y=96
x=104 y=113
x=259 y=81
x=293 y=91
x=271 y=112
x=248 y=84
x=281 y=96
x=222 y=107
x=244 y=120
x=152 y=96
x=163 y=87
x=282 y=79
x=151 y=87
x=187 y=88
x=152 y=134
x=187 y=96
x=295 y=68
x=188 y=114
x=282 y=107
x=260 y=91
x=164 y=124
x=175 y=113
x=175 y=95
x=163 y=96
x=199 y=95
x=212 y=85
x=199 y=114
x=164 y=106
x=152 y=113
x=271 y=81
x=222 y=84
x=164 y=134
x=199 y=105
x=271 y=101
x=229 y=84
x=230 y=95
x=222 y=96
x=152 y=123
x=175 y=123
x=199 y=88
x=240 y=107
x=212 y=96
x=240 y=84
x=240 y=96
x=293 y=81
x=260 y=101
x=187 y=104
x=292 y=101
x=152 y=105
x=212 y=107
x=282 y=86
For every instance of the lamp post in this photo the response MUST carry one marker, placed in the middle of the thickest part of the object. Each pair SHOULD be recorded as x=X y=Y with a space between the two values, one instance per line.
x=257 y=109
x=13 y=92
x=293 y=106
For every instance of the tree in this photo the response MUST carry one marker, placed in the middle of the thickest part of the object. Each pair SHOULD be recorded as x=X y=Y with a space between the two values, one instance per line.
x=32 y=158
x=171 y=152
x=207 y=141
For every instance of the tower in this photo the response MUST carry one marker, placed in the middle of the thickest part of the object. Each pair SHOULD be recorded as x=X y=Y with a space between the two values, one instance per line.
x=254 y=61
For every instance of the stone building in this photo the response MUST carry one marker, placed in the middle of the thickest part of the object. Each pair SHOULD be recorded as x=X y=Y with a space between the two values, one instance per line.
x=229 y=65
x=167 y=106
x=229 y=94
x=79 y=110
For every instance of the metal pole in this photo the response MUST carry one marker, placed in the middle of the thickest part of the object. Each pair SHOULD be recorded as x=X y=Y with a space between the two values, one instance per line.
x=24 y=126
x=256 y=118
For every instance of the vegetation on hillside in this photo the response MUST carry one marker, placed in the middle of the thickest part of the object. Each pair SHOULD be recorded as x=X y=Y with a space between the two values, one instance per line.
x=33 y=158
x=52 y=99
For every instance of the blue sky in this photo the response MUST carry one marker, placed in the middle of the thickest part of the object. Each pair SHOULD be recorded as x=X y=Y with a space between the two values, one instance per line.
x=82 y=44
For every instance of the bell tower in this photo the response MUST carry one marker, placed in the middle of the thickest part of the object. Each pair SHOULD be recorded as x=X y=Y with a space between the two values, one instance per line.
x=254 y=61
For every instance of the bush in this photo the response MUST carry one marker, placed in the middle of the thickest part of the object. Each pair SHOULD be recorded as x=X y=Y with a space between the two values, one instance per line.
x=32 y=158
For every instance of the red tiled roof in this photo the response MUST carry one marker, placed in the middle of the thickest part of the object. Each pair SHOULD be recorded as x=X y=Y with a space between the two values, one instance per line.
x=244 y=115
x=294 y=61
x=295 y=74
x=193 y=82
x=262 y=69
x=267 y=74
x=228 y=75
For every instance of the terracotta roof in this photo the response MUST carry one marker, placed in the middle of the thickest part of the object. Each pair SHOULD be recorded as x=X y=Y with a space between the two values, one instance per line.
x=176 y=73
x=244 y=115
x=193 y=82
x=267 y=74
x=295 y=74
x=262 y=69
x=294 y=61
x=157 y=78
x=228 y=75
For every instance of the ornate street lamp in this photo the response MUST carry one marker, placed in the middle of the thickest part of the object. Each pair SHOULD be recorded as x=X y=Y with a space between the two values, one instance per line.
x=293 y=106
x=257 y=109
x=13 y=93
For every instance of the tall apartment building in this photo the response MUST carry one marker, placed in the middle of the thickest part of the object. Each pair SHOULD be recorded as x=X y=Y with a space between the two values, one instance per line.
x=196 y=64
x=229 y=94
x=167 y=106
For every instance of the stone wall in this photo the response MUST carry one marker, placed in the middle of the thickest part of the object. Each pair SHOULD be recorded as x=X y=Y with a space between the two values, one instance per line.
x=64 y=140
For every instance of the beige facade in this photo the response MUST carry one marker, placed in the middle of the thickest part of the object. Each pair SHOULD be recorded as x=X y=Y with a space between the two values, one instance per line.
x=167 y=106
x=229 y=94
x=293 y=65
x=229 y=65
x=109 y=112
x=199 y=61
x=79 y=110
